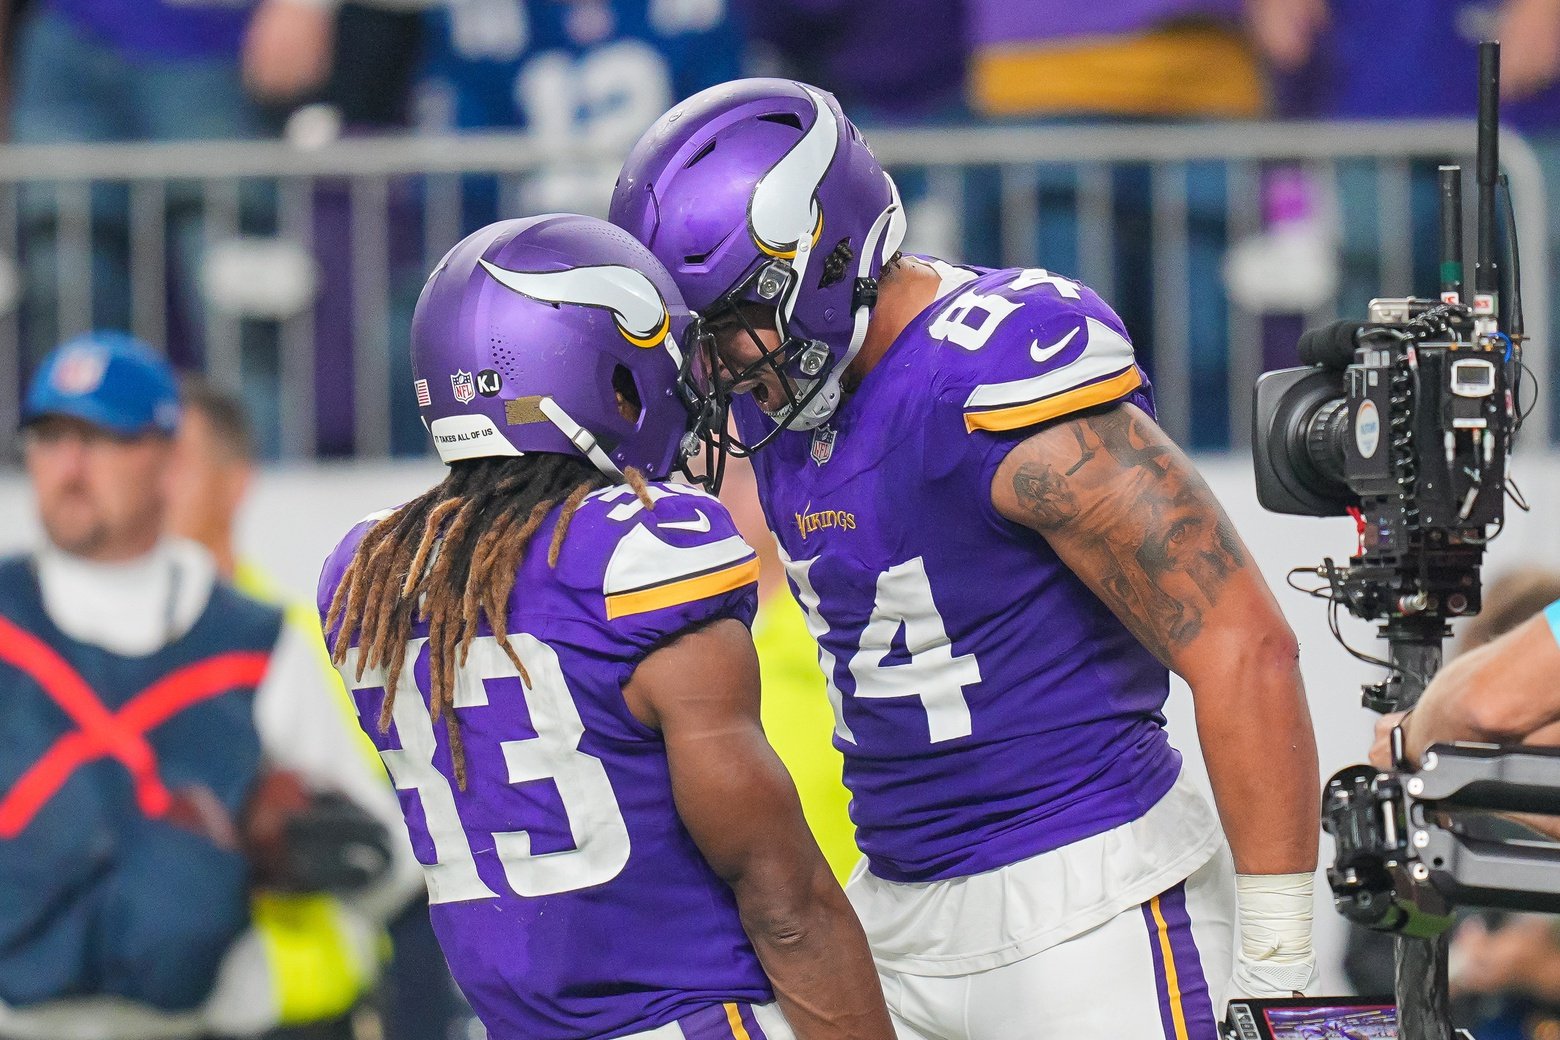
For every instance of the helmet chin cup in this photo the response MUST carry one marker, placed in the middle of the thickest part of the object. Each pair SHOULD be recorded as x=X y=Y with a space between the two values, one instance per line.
x=820 y=407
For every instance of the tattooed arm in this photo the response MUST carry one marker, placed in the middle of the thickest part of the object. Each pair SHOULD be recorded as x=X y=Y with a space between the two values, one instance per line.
x=1127 y=512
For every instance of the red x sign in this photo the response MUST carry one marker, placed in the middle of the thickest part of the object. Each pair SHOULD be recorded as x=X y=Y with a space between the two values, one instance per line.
x=102 y=733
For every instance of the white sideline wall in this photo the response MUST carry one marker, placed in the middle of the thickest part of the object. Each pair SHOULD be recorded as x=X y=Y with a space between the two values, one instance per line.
x=297 y=513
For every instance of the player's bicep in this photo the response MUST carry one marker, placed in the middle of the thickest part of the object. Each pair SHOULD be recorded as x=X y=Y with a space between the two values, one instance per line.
x=732 y=792
x=1129 y=514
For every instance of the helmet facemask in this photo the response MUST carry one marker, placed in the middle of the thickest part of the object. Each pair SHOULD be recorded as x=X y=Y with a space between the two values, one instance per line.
x=795 y=365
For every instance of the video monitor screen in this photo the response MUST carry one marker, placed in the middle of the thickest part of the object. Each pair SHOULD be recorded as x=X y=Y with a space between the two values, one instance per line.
x=1347 y=1022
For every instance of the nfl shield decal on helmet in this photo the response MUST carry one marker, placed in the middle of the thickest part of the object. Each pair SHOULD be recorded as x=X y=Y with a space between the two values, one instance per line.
x=463 y=386
x=822 y=444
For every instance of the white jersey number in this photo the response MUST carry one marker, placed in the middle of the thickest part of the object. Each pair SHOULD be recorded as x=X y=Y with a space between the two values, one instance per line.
x=595 y=821
x=932 y=673
x=953 y=324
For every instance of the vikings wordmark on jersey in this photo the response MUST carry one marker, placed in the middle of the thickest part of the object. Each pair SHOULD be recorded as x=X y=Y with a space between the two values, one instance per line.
x=989 y=706
x=568 y=897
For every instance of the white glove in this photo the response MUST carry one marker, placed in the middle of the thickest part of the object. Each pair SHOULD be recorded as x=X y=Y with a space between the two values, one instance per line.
x=1275 y=958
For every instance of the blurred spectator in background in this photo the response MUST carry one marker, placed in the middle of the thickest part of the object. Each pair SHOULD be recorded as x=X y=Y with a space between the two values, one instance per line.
x=146 y=70
x=1359 y=59
x=214 y=468
x=591 y=73
x=891 y=61
x=1127 y=60
x=796 y=714
x=1134 y=58
x=174 y=763
x=369 y=91
x=1503 y=970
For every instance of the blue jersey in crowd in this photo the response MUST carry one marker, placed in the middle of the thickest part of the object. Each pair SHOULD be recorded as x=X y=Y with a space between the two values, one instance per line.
x=588 y=71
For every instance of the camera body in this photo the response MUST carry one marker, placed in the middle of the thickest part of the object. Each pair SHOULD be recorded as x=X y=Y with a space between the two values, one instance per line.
x=1404 y=422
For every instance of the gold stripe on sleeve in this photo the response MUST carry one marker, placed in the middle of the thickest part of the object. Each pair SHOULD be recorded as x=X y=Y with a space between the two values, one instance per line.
x=687 y=590
x=1016 y=417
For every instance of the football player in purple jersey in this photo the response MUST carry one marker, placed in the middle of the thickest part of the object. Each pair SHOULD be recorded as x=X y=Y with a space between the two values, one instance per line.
x=1000 y=554
x=550 y=650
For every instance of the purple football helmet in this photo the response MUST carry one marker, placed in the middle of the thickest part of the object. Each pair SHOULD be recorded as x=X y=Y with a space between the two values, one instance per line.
x=528 y=330
x=760 y=191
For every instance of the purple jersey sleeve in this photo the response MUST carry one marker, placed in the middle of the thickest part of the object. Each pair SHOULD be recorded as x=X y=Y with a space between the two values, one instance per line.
x=336 y=567
x=1019 y=349
x=645 y=575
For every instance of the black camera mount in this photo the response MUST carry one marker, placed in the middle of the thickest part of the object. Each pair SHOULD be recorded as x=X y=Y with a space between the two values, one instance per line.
x=1405 y=423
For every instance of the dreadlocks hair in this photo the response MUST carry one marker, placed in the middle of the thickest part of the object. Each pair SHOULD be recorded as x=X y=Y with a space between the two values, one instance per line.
x=449 y=557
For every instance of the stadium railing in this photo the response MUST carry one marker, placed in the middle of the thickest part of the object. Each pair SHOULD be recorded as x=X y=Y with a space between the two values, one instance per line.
x=1134 y=201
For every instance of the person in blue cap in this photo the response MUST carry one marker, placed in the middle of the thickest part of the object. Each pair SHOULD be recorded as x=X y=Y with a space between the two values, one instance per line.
x=170 y=745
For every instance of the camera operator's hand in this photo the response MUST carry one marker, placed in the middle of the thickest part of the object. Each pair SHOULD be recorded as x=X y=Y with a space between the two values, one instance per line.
x=1529 y=32
x=1381 y=747
x=1521 y=955
x=1504 y=692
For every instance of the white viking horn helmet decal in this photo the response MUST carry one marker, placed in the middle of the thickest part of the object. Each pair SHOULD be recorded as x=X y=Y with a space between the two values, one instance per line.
x=635 y=303
x=784 y=207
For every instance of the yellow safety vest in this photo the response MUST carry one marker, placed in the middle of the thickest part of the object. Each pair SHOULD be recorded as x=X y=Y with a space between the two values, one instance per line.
x=318 y=971
x=800 y=725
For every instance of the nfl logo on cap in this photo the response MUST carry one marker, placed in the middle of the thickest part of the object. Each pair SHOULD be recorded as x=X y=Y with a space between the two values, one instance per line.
x=80 y=369
x=465 y=389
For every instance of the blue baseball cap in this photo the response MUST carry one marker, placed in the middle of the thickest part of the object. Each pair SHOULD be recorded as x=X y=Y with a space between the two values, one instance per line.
x=109 y=379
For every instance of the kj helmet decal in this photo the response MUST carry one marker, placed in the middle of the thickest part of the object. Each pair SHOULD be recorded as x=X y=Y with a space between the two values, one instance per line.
x=638 y=308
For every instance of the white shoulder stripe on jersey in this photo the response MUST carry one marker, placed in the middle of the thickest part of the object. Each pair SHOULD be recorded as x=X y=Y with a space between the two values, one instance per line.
x=641 y=561
x=1107 y=353
x=949 y=277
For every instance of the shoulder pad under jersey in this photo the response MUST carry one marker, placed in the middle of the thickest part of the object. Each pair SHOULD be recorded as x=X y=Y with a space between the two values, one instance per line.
x=1024 y=346
x=679 y=560
x=337 y=562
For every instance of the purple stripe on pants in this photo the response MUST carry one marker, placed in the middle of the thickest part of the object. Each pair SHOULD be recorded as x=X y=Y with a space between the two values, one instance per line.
x=711 y=1023
x=706 y=1024
x=750 y=1020
x=1191 y=985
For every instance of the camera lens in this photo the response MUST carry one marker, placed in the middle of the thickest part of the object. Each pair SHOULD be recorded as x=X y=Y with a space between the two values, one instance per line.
x=1326 y=435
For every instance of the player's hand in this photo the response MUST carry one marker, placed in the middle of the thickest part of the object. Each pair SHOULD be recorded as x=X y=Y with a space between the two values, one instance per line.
x=1285 y=30
x=289 y=47
x=1529 y=32
x=1381 y=747
x=1265 y=978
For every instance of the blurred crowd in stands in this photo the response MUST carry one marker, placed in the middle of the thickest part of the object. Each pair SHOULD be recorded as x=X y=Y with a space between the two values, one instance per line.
x=596 y=72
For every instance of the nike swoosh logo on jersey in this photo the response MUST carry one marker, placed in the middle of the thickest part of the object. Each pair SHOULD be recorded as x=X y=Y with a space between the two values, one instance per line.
x=1044 y=354
x=699 y=526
